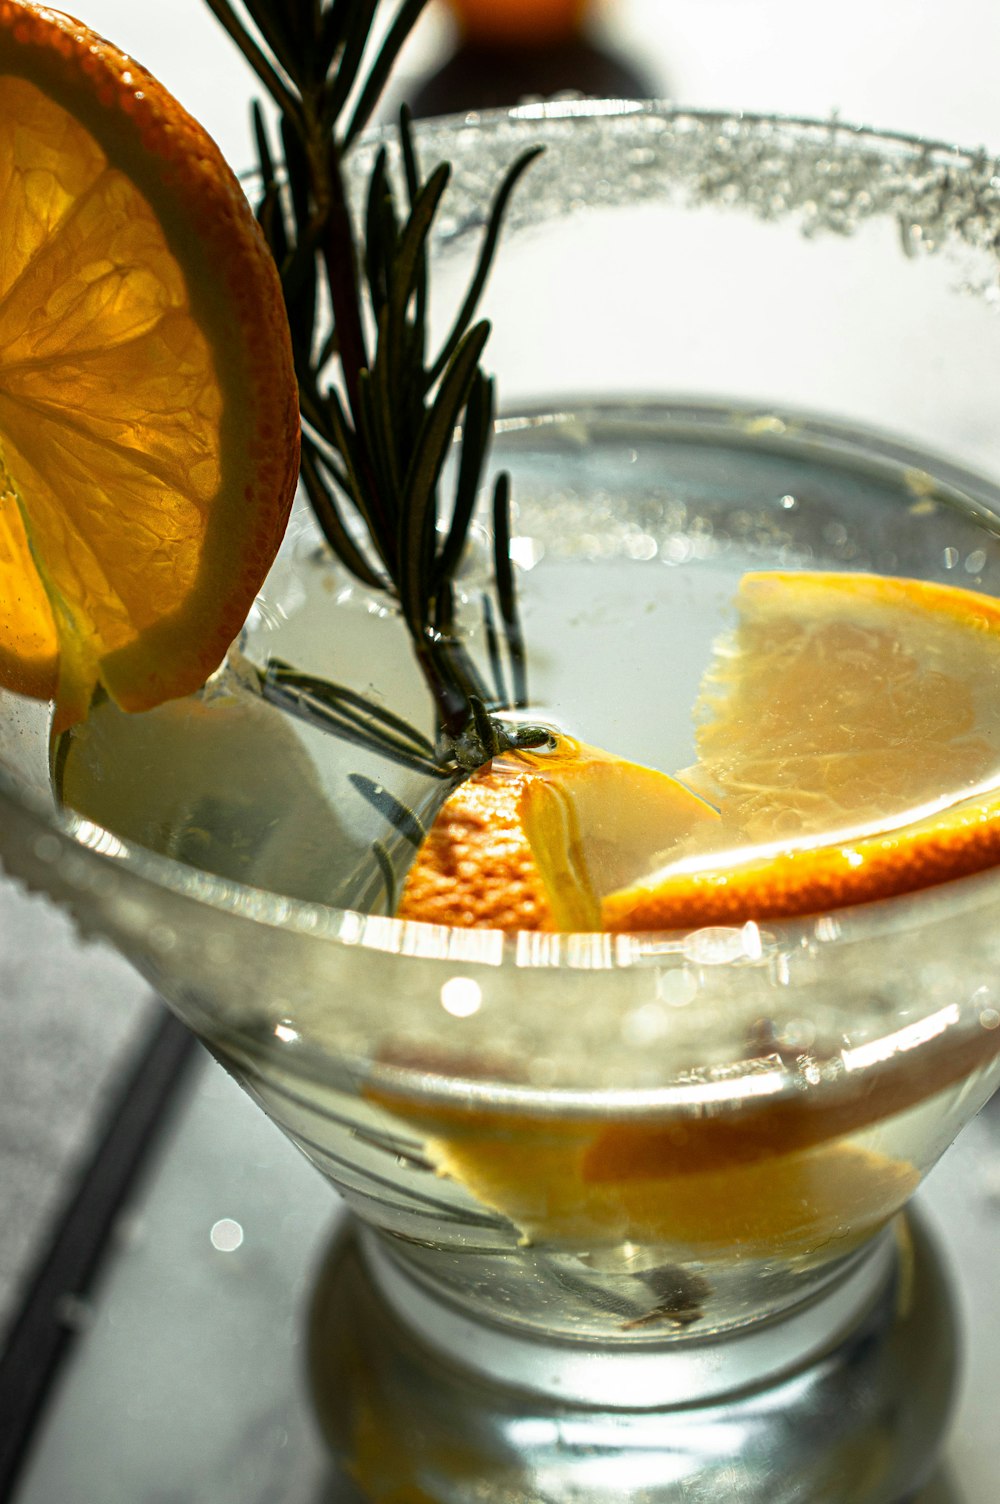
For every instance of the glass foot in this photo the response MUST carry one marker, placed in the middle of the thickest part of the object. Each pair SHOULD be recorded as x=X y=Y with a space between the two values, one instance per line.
x=850 y=1397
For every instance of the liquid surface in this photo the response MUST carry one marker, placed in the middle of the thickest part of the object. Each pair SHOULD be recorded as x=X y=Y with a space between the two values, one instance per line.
x=633 y=532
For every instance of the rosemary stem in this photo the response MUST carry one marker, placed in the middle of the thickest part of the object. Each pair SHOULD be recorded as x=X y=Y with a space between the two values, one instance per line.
x=379 y=432
x=339 y=252
x=450 y=698
x=340 y=258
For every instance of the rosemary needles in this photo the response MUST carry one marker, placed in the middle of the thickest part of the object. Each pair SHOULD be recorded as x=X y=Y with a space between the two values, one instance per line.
x=381 y=409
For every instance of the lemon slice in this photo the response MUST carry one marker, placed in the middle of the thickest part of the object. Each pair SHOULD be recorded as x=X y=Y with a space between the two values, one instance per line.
x=595 y=822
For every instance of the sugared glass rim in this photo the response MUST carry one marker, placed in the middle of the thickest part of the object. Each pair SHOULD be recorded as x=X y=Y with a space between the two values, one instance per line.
x=831 y=126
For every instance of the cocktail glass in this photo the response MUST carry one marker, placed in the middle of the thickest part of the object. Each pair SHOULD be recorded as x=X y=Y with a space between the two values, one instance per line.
x=630 y=1209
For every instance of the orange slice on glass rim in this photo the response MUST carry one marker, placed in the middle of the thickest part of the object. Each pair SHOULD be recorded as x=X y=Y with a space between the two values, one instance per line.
x=148 y=407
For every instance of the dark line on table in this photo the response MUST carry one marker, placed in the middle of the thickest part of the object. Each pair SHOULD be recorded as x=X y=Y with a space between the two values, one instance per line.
x=42 y=1333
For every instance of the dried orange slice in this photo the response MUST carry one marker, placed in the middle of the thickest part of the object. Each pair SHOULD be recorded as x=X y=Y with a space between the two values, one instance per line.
x=850 y=730
x=535 y=840
x=148 y=409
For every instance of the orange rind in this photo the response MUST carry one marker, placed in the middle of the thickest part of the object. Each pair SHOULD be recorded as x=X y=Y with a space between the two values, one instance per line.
x=850 y=732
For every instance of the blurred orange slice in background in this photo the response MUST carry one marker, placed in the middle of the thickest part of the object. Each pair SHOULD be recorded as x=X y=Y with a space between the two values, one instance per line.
x=148 y=407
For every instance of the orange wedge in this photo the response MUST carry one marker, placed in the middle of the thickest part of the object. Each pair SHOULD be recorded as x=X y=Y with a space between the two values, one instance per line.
x=534 y=841
x=563 y=1188
x=841 y=703
x=849 y=749
x=852 y=726
x=786 y=1178
x=148 y=408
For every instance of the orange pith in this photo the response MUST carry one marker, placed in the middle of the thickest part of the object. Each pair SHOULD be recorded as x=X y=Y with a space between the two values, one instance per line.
x=849 y=733
x=148 y=410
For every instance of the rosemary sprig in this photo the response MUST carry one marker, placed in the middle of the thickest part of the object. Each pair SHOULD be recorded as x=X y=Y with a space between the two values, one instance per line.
x=379 y=431
x=356 y=718
x=350 y=715
x=399 y=815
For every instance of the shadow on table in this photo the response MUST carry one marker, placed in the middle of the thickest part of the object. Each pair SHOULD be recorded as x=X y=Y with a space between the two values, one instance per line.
x=942 y=1489
x=341 y=1490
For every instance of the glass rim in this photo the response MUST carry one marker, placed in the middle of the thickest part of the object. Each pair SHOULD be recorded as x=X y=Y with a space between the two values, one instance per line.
x=567 y=110
x=528 y=949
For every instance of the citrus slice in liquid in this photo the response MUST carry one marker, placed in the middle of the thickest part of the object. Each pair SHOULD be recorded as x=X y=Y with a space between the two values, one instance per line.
x=840 y=702
x=848 y=734
x=850 y=731
x=148 y=407
x=571 y=1187
x=534 y=840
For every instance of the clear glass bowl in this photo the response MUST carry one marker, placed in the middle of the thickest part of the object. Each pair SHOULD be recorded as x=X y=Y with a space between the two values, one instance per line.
x=723 y=343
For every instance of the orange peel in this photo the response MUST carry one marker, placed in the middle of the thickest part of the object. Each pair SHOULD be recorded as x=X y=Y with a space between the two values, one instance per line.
x=863 y=702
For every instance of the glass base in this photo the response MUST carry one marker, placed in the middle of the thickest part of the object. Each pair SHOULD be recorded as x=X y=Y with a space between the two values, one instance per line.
x=846 y=1398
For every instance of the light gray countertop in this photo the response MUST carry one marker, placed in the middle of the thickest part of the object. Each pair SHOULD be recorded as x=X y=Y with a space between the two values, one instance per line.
x=72 y=1016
